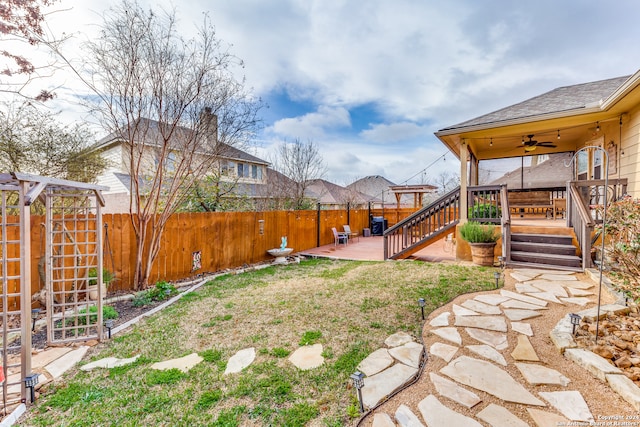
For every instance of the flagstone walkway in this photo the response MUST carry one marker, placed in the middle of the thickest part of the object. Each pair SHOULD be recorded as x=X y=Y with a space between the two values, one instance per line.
x=483 y=369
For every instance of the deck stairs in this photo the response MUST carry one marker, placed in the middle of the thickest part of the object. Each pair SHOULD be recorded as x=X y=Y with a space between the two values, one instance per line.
x=544 y=247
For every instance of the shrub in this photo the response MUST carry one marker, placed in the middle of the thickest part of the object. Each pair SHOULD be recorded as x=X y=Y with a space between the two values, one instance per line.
x=474 y=232
x=160 y=292
x=623 y=241
x=484 y=210
x=107 y=276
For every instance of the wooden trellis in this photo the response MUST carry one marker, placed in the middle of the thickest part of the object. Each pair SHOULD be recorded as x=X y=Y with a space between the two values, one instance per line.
x=73 y=248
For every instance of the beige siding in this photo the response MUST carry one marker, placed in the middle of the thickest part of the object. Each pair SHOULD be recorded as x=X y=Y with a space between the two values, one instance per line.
x=630 y=161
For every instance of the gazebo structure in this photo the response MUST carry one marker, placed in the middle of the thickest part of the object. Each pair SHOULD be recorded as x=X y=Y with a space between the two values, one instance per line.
x=418 y=191
x=64 y=217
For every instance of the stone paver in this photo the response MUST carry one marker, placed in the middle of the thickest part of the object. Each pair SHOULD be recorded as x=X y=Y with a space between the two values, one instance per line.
x=525 y=298
x=526 y=287
x=488 y=352
x=516 y=314
x=406 y=418
x=546 y=419
x=441 y=319
x=578 y=284
x=491 y=323
x=381 y=419
x=376 y=362
x=598 y=366
x=547 y=296
x=538 y=374
x=449 y=333
x=497 y=340
x=491 y=299
x=552 y=287
x=108 y=363
x=488 y=377
x=453 y=391
x=591 y=313
x=307 y=357
x=521 y=305
x=498 y=416
x=520 y=277
x=398 y=339
x=481 y=307
x=571 y=404
x=523 y=328
x=459 y=311
x=182 y=363
x=575 y=292
x=436 y=414
x=443 y=351
x=241 y=360
x=409 y=354
x=582 y=301
x=524 y=350
x=43 y=358
x=380 y=385
x=61 y=365
x=556 y=277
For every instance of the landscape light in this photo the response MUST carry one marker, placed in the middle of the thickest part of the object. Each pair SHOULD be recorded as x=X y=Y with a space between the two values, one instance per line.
x=34 y=315
x=30 y=382
x=358 y=383
x=575 y=321
x=496 y=276
x=109 y=325
x=421 y=302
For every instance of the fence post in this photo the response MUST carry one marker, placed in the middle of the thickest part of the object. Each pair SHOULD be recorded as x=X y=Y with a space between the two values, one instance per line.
x=318 y=227
x=348 y=214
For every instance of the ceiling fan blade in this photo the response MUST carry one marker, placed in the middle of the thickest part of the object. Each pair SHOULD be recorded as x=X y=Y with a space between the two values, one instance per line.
x=547 y=144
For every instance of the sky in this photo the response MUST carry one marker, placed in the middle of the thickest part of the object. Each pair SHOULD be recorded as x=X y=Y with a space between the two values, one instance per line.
x=370 y=81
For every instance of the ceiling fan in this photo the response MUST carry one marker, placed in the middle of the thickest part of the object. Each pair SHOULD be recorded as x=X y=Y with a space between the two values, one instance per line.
x=532 y=144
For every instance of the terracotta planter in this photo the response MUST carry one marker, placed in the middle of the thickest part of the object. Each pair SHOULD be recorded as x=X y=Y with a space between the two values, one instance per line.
x=482 y=253
x=93 y=291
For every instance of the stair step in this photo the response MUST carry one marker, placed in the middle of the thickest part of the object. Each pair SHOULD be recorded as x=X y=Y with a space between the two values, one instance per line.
x=543 y=266
x=547 y=258
x=551 y=248
x=559 y=239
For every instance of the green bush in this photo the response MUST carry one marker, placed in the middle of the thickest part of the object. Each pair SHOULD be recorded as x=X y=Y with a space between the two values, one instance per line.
x=484 y=210
x=107 y=276
x=160 y=292
x=474 y=232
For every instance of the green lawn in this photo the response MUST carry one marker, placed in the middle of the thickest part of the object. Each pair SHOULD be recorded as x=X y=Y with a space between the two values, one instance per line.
x=348 y=307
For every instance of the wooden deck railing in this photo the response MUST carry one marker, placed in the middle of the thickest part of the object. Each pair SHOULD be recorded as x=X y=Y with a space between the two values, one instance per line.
x=426 y=224
x=579 y=218
x=484 y=203
x=506 y=224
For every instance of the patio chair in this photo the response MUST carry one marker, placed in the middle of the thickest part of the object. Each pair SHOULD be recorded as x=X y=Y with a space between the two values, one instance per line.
x=339 y=237
x=350 y=234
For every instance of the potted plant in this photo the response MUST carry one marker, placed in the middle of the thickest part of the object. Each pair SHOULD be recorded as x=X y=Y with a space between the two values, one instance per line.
x=482 y=238
x=92 y=284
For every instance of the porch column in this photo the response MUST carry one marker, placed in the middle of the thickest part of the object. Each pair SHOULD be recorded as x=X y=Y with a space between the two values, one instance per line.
x=464 y=154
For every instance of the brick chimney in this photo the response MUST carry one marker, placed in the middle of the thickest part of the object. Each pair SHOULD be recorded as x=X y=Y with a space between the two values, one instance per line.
x=209 y=123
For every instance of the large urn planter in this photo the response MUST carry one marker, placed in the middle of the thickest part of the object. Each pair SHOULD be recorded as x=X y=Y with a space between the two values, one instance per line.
x=482 y=239
x=482 y=253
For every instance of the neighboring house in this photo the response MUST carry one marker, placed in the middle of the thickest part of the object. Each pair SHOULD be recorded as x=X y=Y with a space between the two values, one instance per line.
x=235 y=167
x=379 y=190
x=333 y=195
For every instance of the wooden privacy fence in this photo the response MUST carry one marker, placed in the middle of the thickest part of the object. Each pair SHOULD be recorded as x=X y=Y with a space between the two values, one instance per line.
x=218 y=240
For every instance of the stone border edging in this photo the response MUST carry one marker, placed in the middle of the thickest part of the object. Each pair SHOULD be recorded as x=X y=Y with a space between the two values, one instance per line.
x=13 y=417
x=562 y=337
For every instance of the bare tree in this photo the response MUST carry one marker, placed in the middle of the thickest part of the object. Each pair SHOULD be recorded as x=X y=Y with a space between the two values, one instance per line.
x=301 y=162
x=174 y=103
x=21 y=22
x=33 y=141
x=446 y=181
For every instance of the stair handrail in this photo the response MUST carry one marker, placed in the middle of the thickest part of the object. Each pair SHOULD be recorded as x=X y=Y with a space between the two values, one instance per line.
x=422 y=210
x=581 y=221
x=423 y=225
x=506 y=224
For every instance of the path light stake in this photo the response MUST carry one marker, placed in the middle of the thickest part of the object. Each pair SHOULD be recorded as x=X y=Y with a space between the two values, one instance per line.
x=575 y=321
x=34 y=315
x=605 y=157
x=30 y=382
x=109 y=325
x=421 y=303
x=358 y=383
x=496 y=276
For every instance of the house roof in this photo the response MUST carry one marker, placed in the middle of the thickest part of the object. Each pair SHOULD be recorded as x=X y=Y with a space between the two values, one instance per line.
x=563 y=99
x=223 y=150
x=326 y=192
x=549 y=173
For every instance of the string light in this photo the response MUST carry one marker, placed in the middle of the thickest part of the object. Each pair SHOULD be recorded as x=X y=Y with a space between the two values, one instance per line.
x=597 y=126
x=558 y=133
x=491 y=142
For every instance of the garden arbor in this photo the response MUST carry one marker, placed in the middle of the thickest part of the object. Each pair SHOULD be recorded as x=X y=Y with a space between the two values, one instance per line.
x=70 y=250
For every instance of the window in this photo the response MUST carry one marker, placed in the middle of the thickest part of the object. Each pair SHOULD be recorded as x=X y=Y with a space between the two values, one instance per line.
x=583 y=166
x=227 y=168
x=254 y=171
x=241 y=168
x=597 y=164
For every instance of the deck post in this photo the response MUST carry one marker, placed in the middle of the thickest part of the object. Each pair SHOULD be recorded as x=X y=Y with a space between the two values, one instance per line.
x=464 y=155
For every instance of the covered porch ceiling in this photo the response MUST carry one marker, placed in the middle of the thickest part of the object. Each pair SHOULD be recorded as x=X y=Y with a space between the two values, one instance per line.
x=496 y=135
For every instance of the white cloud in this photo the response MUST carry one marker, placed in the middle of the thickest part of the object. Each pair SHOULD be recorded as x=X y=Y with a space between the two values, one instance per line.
x=312 y=125
x=394 y=132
